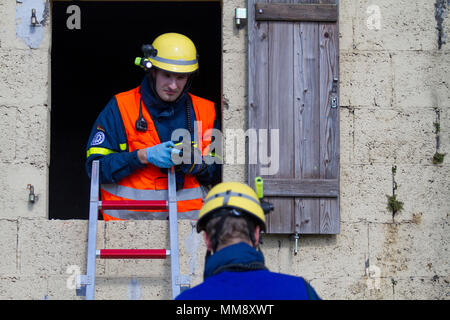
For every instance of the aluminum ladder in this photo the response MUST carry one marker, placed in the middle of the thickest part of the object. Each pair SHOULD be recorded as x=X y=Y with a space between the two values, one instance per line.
x=86 y=282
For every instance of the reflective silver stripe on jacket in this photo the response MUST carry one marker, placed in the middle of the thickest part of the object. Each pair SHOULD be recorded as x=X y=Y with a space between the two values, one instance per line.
x=146 y=215
x=137 y=194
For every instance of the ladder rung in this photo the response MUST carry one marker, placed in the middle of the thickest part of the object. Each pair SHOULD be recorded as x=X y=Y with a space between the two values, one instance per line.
x=135 y=204
x=133 y=253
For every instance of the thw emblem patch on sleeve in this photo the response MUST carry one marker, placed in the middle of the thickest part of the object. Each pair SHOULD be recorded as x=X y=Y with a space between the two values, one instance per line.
x=99 y=138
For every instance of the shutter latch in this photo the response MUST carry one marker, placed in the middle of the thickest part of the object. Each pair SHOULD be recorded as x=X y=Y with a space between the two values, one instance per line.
x=296 y=237
x=334 y=103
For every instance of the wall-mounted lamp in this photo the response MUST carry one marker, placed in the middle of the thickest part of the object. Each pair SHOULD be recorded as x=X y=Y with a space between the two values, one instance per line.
x=240 y=17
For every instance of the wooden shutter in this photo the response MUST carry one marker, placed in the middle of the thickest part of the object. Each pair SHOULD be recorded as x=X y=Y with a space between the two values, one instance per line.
x=293 y=86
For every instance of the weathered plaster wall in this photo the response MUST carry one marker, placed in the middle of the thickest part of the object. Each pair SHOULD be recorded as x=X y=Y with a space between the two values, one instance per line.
x=393 y=82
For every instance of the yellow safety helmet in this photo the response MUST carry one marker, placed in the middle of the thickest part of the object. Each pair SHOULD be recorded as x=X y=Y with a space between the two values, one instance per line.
x=233 y=195
x=174 y=52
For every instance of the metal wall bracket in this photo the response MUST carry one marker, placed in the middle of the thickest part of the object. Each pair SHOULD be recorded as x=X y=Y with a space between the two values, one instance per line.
x=34 y=21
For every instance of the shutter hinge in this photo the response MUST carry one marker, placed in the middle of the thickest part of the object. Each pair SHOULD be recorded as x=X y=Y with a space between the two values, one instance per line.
x=240 y=17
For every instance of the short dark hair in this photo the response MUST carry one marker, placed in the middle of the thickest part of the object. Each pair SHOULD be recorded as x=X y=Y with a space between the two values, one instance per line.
x=230 y=227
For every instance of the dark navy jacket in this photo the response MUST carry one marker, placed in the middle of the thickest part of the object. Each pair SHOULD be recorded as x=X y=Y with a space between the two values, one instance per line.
x=108 y=134
x=226 y=280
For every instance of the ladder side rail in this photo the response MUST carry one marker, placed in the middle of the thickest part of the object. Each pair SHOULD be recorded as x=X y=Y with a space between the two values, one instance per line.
x=173 y=229
x=92 y=233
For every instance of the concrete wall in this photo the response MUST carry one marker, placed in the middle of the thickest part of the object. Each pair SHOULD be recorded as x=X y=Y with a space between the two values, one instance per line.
x=393 y=82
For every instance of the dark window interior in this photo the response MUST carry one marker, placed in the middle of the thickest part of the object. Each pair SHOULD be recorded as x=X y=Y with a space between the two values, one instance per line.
x=90 y=65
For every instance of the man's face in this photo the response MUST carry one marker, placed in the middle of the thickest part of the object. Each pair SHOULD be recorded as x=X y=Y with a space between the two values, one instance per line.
x=169 y=85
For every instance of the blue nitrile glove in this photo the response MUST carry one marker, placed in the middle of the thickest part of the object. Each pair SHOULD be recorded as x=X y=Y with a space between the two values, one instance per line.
x=160 y=155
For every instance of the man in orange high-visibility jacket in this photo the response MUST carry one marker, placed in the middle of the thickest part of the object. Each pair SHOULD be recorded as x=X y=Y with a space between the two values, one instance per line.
x=132 y=136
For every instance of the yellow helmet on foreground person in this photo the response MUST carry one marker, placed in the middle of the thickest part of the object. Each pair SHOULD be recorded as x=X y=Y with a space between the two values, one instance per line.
x=231 y=195
x=172 y=52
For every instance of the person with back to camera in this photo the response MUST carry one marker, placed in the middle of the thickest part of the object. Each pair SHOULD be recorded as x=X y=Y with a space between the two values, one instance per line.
x=231 y=219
